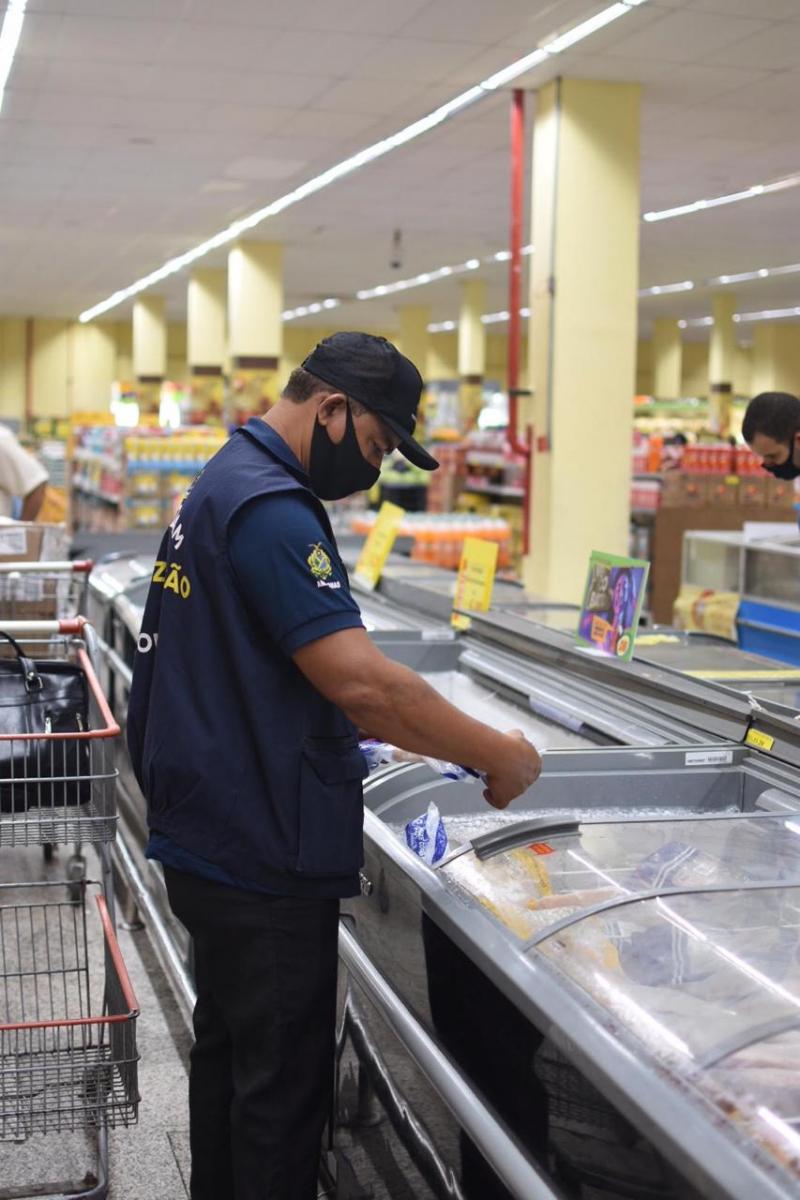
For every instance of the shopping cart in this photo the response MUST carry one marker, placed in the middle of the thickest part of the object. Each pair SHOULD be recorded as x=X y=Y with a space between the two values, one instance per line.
x=61 y=787
x=43 y=590
x=68 y=1056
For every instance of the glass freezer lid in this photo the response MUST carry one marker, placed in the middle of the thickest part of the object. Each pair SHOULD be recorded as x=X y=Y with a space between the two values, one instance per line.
x=701 y=980
x=534 y=877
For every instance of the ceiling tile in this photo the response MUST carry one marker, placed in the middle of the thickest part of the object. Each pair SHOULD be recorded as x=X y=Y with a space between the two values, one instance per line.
x=687 y=36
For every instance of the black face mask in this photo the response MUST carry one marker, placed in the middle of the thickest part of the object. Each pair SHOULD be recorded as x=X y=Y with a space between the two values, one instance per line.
x=786 y=470
x=340 y=469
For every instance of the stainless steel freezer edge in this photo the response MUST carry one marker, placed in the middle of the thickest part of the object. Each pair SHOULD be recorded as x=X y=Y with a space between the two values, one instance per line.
x=669 y=1111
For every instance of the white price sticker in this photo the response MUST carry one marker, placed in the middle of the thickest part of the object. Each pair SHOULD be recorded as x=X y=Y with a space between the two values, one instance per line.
x=709 y=758
x=13 y=542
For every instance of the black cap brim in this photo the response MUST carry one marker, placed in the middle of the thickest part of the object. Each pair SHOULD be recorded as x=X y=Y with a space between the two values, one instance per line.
x=408 y=446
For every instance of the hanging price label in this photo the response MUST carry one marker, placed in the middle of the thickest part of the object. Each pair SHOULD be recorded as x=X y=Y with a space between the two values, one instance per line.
x=475 y=579
x=378 y=545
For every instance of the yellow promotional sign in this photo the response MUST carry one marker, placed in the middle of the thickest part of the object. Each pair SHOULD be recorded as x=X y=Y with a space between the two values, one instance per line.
x=378 y=545
x=475 y=579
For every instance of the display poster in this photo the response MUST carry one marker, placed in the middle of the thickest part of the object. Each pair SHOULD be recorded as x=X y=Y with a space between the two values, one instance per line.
x=378 y=546
x=612 y=604
x=475 y=580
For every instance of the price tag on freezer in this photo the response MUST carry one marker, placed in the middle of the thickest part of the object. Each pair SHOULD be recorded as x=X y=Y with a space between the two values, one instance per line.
x=475 y=579
x=378 y=545
x=762 y=741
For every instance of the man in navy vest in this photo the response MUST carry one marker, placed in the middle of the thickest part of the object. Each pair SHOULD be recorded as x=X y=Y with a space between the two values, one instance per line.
x=252 y=678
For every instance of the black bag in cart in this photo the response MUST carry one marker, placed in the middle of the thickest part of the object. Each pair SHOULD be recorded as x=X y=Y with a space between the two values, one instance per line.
x=42 y=698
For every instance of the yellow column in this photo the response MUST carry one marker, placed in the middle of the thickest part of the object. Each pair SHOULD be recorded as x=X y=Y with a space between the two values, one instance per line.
x=414 y=342
x=149 y=351
x=667 y=359
x=206 y=332
x=414 y=338
x=583 y=326
x=721 y=361
x=255 y=325
x=776 y=357
x=12 y=367
x=94 y=365
x=471 y=350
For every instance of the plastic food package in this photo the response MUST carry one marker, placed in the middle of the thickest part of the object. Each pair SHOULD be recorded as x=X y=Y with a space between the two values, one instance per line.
x=427 y=836
x=378 y=754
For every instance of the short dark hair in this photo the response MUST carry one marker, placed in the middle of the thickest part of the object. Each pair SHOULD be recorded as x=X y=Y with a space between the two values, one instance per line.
x=302 y=385
x=775 y=414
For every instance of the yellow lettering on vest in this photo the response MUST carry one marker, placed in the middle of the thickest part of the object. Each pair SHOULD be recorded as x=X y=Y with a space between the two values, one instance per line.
x=172 y=581
x=158 y=574
x=186 y=588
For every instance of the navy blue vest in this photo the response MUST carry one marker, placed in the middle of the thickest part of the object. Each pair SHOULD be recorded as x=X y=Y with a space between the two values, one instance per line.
x=241 y=760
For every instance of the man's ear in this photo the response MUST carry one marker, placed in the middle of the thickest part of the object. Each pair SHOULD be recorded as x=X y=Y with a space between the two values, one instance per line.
x=329 y=405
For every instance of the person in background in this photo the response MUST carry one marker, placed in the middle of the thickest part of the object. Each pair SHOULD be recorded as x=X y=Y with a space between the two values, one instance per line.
x=22 y=477
x=771 y=428
x=253 y=676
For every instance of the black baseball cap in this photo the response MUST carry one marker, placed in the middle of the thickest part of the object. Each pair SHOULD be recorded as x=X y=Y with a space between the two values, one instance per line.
x=374 y=372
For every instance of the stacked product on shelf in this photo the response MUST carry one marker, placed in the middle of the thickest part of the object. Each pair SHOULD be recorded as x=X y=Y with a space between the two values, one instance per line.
x=438 y=538
x=444 y=485
x=135 y=479
x=492 y=469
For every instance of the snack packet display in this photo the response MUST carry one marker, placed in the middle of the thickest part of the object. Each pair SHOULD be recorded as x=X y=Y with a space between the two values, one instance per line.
x=427 y=836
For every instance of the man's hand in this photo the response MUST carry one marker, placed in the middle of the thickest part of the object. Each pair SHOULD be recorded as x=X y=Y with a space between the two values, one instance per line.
x=518 y=769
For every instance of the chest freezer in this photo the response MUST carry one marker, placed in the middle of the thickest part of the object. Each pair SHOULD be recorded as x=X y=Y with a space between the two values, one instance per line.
x=611 y=964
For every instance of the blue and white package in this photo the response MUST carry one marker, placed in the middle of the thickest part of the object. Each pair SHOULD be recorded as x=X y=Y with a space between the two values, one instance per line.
x=427 y=836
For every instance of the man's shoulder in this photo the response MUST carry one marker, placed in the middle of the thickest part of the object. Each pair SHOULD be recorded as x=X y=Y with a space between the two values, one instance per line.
x=282 y=512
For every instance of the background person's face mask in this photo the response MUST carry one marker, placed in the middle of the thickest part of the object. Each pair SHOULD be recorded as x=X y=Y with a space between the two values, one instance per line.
x=786 y=470
x=338 y=469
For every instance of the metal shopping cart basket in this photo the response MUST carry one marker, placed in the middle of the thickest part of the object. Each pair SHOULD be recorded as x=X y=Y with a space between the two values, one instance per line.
x=35 y=591
x=68 y=1057
x=60 y=786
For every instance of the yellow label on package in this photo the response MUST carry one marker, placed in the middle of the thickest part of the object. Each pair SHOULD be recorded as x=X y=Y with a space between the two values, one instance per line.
x=761 y=741
x=475 y=579
x=378 y=545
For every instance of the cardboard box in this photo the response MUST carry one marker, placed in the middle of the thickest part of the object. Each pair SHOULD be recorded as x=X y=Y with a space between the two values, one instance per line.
x=29 y=541
x=684 y=491
x=780 y=493
x=753 y=492
x=723 y=491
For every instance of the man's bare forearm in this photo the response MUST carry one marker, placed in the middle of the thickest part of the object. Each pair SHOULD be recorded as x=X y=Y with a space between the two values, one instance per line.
x=401 y=708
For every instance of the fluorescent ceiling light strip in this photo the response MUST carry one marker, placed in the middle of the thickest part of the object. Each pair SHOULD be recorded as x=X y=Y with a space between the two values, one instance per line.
x=695 y=206
x=9 y=40
x=585 y=29
x=666 y=289
x=369 y=154
x=768 y=314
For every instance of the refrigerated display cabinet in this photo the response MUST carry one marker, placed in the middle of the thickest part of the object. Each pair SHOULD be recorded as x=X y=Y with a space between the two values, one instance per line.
x=611 y=969
x=713 y=559
x=769 y=614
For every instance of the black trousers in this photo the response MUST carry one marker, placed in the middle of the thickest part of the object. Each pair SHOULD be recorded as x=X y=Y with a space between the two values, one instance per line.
x=261 y=1077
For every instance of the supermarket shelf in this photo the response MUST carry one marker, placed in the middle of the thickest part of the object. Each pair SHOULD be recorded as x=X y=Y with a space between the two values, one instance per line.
x=488 y=458
x=648 y=476
x=86 y=489
x=643 y=514
x=488 y=489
